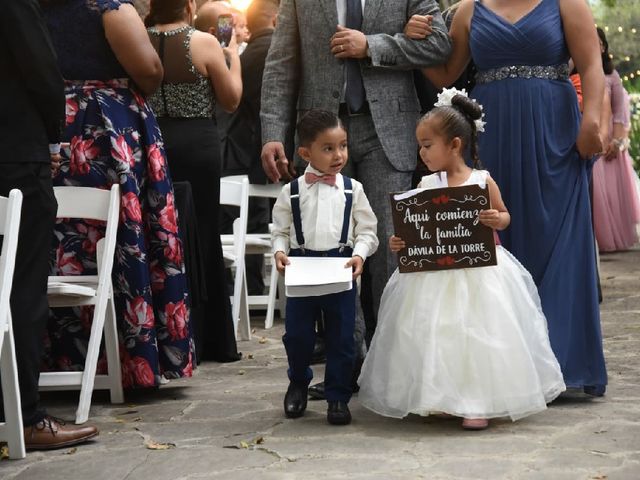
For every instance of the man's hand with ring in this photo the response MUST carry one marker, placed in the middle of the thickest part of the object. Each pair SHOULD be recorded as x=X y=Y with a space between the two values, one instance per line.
x=275 y=163
x=348 y=43
x=273 y=158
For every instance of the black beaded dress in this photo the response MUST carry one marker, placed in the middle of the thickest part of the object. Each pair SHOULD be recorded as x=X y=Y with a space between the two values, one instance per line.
x=184 y=106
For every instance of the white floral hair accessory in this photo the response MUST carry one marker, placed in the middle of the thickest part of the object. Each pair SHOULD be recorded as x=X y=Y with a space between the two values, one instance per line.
x=444 y=100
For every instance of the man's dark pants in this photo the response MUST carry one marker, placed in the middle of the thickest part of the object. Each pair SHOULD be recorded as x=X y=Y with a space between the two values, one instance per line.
x=29 y=306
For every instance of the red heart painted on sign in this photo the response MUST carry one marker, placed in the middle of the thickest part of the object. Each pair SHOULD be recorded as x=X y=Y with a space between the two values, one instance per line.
x=446 y=261
x=436 y=200
x=444 y=198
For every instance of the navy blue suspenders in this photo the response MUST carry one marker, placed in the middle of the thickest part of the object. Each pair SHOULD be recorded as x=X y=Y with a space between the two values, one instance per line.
x=297 y=218
x=295 y=211
x=348 y=195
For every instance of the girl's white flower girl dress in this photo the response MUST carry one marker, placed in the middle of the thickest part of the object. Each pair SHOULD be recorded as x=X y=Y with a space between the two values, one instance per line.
x=471 y=342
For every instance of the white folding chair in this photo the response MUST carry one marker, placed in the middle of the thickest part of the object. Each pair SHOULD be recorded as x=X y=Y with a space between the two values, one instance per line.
x=11 y=430
x=260 y=244
x=236 y=193
x=96 y=290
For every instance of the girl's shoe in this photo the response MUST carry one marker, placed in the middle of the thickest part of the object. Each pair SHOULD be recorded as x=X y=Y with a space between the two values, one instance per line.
x=475 y=423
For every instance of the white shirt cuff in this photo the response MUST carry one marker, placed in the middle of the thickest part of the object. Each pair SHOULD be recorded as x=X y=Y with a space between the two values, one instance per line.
x=361 y=250
x=54 y=148
x=280 y=245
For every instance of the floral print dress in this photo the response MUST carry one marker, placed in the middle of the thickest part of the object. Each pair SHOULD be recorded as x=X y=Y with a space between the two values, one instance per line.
x=114 y=138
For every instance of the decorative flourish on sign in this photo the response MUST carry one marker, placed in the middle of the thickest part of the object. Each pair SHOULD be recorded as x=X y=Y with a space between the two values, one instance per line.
x=409 y=202
x=470 y=198
x=405 y=262
x=485 y=257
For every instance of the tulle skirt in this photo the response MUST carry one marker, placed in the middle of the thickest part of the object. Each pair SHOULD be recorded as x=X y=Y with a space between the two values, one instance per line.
x=471 y=342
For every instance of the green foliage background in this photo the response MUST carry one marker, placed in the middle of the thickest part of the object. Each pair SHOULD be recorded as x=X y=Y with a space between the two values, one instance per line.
x=621 y=20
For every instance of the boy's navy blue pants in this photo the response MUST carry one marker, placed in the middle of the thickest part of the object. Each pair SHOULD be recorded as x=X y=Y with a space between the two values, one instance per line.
x=339 y=316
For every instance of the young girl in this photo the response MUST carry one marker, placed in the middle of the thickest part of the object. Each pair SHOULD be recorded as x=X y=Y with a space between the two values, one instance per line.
x=472 y=343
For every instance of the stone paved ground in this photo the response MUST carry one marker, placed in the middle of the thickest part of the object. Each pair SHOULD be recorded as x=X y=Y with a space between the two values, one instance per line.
x=227 y=423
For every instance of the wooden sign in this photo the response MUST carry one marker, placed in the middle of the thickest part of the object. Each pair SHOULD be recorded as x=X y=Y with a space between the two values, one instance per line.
x=441 y=229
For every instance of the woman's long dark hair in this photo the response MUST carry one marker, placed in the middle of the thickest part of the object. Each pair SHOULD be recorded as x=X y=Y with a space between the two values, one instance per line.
x=607 y=63
x=165 y=11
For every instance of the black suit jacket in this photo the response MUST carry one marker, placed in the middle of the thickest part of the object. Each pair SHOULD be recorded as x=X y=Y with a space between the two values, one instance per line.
x=32 y=103
x=242 y=138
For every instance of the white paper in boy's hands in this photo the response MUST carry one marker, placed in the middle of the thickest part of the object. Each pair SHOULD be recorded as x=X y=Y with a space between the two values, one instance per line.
x=314 y=276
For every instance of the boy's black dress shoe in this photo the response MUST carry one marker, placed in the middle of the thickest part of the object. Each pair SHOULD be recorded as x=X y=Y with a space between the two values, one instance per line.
x=338 y=413
x=295 y=401
x=316 y=392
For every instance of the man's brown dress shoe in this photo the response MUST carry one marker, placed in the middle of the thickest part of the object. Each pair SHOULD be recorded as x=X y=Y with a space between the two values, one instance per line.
x=52 y=432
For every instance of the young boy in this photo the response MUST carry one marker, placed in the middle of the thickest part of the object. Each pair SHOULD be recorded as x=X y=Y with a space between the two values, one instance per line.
x=322 y=214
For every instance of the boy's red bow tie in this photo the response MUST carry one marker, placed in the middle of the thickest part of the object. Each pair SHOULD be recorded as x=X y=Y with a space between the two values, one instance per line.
x=312 y=178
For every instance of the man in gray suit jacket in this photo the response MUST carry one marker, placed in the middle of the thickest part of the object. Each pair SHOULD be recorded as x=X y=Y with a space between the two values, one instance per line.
x=350 y=57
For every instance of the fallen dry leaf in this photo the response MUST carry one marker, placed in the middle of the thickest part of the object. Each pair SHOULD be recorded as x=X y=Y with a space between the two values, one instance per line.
x=71 y=451
x=599 y=477
x=250 y=356
x=253 y=330
x=151 y=445
x=259 y=440
x=227 y=391
x=4 y=452
x=246 y=444
x=262 y=340
x=241 y=372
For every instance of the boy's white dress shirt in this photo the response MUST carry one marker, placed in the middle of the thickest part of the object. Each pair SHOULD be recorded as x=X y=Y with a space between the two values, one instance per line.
x=322 y=211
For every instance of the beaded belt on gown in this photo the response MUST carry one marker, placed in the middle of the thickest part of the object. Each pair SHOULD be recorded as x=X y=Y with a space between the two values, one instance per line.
x=547 y=72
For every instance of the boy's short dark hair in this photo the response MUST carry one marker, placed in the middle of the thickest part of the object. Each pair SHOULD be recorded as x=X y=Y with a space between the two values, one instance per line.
x=313 y=122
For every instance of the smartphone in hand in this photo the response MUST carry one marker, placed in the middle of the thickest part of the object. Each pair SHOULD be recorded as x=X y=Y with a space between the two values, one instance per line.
x=224 y=29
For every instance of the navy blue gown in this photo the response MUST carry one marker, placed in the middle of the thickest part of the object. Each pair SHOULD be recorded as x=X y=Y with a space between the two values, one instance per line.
x=529 y=148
